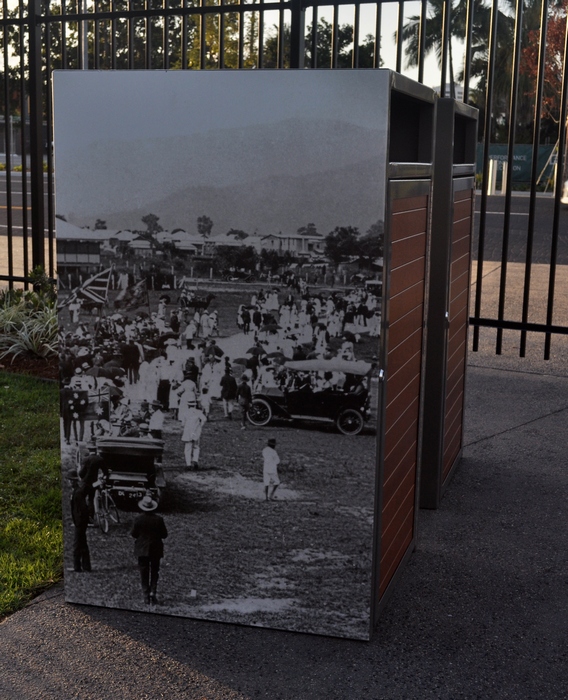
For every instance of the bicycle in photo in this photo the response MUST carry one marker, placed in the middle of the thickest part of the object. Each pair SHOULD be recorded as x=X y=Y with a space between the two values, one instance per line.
x=105 y=510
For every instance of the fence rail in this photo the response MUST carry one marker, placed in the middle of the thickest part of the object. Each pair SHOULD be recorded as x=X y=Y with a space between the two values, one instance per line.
x=507 y=59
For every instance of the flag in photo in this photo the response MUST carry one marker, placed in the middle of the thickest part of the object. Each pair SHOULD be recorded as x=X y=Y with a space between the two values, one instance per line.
x=95 y=289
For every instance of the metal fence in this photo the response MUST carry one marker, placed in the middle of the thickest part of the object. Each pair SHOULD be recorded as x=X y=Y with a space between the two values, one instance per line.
x=508 y=59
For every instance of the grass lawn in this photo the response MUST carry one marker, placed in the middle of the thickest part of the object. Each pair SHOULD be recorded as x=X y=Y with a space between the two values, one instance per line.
x=30 y=492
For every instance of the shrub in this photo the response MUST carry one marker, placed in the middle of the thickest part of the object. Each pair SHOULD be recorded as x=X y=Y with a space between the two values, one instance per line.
x=28 y=324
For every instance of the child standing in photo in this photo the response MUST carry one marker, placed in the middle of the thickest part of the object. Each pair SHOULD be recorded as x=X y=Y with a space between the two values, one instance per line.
x=270 y=469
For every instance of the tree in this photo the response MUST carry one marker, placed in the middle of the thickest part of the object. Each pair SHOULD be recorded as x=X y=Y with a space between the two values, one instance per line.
x=151 y=232
x=324 y=50
x=242 y=258
x=238 y=234
x=555 y=37
x=433 y=39
x=371 y=245
x=309 y=230
x=204 y=226
x=270 y=259
x=342 y=243
x=100 y=225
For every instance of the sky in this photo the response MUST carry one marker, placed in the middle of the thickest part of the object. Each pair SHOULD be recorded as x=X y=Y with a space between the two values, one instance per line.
x=249 y=146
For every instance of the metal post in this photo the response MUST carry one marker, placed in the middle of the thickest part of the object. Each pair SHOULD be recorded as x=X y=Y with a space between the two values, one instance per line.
x=297 y=34
x=36 y=135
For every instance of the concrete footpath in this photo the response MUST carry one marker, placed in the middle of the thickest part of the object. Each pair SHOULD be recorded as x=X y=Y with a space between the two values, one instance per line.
x=480 y=612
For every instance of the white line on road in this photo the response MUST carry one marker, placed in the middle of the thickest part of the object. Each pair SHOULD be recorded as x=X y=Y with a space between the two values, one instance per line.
x=513 y=213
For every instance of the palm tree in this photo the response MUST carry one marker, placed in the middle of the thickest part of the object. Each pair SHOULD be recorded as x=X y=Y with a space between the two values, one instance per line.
x=434 y=40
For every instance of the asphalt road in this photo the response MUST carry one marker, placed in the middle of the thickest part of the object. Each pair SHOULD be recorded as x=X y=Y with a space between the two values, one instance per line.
x=543 y=223
x=493 y=231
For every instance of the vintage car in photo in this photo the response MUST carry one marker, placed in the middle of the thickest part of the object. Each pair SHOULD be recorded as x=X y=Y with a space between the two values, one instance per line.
x=298 y=399
x=131 y=467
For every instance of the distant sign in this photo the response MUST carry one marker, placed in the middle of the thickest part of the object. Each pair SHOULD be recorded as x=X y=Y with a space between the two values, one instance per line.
x=522 y=160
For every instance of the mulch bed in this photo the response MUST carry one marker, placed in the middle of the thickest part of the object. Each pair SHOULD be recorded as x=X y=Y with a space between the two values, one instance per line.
x=31 y=365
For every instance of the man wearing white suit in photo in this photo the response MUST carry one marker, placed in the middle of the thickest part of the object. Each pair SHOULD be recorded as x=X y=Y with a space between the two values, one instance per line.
x=192 y=427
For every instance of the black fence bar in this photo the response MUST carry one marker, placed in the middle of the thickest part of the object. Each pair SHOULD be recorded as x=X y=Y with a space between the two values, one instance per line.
x=36 y=136
x=487 y=138
x=468 y=40
x=559 y=184
x=534 y=172
x=446 y=38
x=8 y=147
x=422 y=39
x=39 y=35
x=510 y=161
x=519 y=326
x=399 y=36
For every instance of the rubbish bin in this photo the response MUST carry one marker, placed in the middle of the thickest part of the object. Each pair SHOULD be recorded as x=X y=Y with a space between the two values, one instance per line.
x=407 y=224
x=448 y=302
x=294 y=507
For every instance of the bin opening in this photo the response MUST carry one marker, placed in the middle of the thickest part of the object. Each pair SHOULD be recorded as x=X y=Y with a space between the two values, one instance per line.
x=465 y=138
x=411 y=140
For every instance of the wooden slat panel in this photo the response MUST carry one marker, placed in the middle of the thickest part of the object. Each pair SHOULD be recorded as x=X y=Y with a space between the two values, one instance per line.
x=399 y=461
x=461 y=229
x=408 y=224
x=405 y=302
x=397 y=403
x=400 y=518
x=401 y=353
x=461 y=247
x=453 y=410
x=455 y=359
x=407 y=203
x=396 y=429
x=401 y=502
x=404 y=364
x=459 y=283
x=462 y=209
x=453 y=446
x=458 y=322
x=404 y=327
x=396 y=381
x=406 y=276
x=391 y=565
x=458 y=304
x=460 y=265
x=455 y=379
x=397 y=546
x=404 y=431
x=408 y=249
x=462 y=194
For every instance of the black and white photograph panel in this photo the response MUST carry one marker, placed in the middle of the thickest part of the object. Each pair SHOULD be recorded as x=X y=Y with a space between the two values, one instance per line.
x=220 y=252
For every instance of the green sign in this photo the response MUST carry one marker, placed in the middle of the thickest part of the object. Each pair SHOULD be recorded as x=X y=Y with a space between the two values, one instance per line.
x=522 y=161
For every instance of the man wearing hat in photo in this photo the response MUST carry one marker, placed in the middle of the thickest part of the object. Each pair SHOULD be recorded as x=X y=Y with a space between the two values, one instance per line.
x=80 y=517
x=228 y=391
x=271 y=460
x=244 y=396
x=149 y=531
x=89 y=474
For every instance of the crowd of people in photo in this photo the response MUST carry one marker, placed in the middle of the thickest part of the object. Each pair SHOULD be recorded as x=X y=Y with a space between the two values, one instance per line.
x=124 y=373
x=138 y=373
